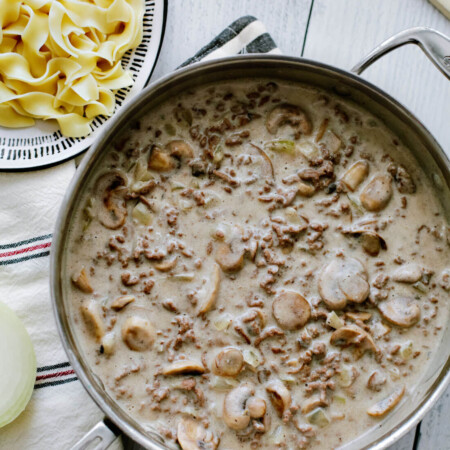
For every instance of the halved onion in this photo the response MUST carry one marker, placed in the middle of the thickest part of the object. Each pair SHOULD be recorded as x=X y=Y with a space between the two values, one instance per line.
x=18 y=367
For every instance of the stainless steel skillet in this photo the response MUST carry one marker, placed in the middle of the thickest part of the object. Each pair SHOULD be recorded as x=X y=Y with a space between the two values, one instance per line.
x=346 y=84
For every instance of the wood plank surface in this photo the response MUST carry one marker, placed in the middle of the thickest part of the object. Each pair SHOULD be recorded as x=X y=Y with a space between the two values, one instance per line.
x=341 y=32
x=191 y=24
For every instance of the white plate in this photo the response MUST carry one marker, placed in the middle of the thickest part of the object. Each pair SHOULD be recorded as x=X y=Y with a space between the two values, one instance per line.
x=44 y=145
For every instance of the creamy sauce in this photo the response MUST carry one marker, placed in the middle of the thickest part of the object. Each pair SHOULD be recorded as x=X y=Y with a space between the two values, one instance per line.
x=248 y=248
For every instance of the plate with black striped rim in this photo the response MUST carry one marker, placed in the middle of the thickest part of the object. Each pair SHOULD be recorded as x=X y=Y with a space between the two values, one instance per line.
x=43 y=144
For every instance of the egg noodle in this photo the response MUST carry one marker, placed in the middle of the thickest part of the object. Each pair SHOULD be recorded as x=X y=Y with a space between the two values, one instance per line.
x=60 y=59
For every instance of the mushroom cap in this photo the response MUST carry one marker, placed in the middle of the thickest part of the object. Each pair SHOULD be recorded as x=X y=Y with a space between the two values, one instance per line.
x=183 y=366
x=401 y=311
x=111 y=186
x=372 y=242
x=291 y=310
x=138 y=333
x=81 y=281
x=122 y=301
x=235 y=412
x=228 y=260
x=291 y=114
x=228 y=362
x=343 y=280
x=409 y=273
x=377 y=193
x=191 y=435
x=159 y=160
x=180 y=149
x=280 y=396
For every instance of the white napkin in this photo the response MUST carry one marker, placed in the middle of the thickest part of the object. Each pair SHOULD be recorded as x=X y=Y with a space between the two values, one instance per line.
x=60 y=411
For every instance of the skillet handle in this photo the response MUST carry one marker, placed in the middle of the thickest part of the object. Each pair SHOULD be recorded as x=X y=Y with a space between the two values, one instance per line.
x=99 y=437
x=434 y=44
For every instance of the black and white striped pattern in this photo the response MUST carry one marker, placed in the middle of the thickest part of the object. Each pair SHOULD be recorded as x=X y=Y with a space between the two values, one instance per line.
x=244 y=35
x=44 y=145
x=54 y=375
x=32 y=248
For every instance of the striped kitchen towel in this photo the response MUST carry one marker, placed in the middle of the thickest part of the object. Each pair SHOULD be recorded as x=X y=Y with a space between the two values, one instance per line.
x=60 y=411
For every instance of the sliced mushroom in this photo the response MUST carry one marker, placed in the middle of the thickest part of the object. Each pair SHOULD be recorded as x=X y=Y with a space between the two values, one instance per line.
x=353 y=335
x=138 y=333
x=409 y=273
x=122 y=301
x=167 y=265
x=180 y=149
x=291 y=310
x=377 y=193
x=401 y=311
x=229 y=260
x=112 y=189
x=288 y=114
x=210 y=298
x=279 y=395
x=182 y=367
x=191 y=435
x=256 y=407
x=228 y=363
x=362 y=316
x=159 y=160
x=343 y=280
x=312 y=403
x=305 y=189
x=235 y=412
x=371 y=241
x=388 y=404
x=376 y=381
x=356 y=174
x=92 y=315
x=81 y=281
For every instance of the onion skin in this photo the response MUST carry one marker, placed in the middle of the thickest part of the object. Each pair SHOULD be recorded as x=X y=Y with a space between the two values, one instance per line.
x=18 y=362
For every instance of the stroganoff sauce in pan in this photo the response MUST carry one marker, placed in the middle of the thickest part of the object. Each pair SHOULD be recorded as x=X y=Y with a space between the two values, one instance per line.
x=259 y=265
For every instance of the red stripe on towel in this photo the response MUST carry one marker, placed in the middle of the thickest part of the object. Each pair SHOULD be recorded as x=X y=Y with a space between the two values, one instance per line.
x=54 y=375
x=25 y=250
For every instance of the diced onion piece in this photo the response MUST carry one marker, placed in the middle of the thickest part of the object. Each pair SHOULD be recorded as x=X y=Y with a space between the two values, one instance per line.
x=278 y=436
x=289 y=379
x=188 y=276
x=18 y=372
x=223 y=383
x=141 y=173
x=340 y=399
x=309 y=151
x=252 y=357
x=334 y=321
x=318 y=417
x=406 y=350
x=142 y=214
x=281 y=146
x=223 y=322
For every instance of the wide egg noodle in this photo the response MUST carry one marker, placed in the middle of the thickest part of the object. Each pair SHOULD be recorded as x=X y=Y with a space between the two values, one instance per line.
x=61 y=59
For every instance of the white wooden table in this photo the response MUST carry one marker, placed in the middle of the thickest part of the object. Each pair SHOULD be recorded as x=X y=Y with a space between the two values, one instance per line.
x=338 y=32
